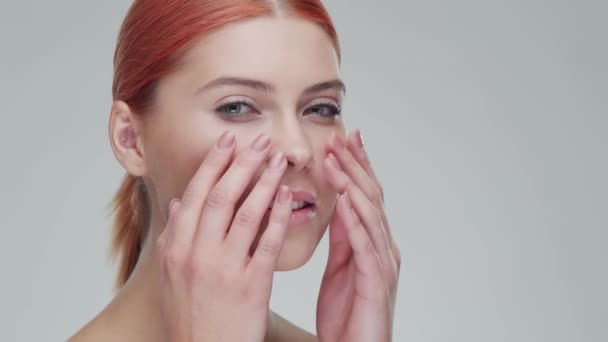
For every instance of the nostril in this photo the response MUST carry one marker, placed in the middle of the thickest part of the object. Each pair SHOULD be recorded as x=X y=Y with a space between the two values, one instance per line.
x=301 y=162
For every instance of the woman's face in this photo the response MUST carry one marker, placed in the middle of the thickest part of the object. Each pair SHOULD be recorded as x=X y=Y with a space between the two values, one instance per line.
x=270 y=75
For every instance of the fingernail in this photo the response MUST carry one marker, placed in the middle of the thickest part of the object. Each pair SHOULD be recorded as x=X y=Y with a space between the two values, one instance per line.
x=359 y=138
x=334 y=161
x=226 y=141
x=284 y=194
x=261 y=142
x=277 y=160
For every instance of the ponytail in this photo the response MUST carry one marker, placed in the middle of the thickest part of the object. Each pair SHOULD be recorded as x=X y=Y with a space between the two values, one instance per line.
x=130 y=224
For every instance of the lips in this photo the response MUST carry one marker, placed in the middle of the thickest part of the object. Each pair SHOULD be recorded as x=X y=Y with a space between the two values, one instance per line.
x=303 y=208
x=301 y=200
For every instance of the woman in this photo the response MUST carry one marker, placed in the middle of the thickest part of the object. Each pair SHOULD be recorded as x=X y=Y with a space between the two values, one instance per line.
x=226 y=118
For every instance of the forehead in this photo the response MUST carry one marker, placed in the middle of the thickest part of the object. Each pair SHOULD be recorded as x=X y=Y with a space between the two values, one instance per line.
x=287 y=52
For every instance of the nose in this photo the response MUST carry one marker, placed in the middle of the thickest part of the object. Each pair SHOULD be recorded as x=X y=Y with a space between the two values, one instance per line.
x=291 y=139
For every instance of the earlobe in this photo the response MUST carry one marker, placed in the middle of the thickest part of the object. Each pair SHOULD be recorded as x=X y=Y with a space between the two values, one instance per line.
x=124 y=132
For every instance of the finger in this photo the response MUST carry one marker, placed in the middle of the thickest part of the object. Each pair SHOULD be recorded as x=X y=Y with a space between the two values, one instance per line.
x=266 y=254
x=355 y=171
x=342 y=183
x=221 y=201
x=247 y=219
x=373 y=222
x=364 y=252
x=167 y=236
x=163 y=237
x=340 y=250
x=336 y=177
x=354 y=144
x=214 y=164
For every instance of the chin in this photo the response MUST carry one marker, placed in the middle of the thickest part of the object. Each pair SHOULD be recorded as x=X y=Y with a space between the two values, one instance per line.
x=296 y=253
x=298 y=249
x=289 y=261
x=300 y=242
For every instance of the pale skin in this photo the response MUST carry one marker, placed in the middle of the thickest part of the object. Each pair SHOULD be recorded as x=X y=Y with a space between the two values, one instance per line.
x=208 y=260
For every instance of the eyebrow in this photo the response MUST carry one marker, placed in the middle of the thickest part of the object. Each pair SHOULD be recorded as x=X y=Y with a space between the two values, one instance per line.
x=268 y=88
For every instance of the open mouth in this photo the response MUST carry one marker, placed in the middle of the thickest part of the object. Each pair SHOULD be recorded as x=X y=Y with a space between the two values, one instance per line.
x=301 y=200
x=303 y=208
x=298 y=205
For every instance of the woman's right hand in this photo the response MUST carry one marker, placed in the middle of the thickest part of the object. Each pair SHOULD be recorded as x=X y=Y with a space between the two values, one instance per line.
x=211 y=288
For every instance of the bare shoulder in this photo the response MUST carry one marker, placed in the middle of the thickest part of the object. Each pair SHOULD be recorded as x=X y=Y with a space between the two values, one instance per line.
x=284 y=330
x=91 y=332
x=281 y=330
x=97 y=330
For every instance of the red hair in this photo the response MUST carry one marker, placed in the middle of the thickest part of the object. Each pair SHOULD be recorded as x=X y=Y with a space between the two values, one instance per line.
x=153 y=38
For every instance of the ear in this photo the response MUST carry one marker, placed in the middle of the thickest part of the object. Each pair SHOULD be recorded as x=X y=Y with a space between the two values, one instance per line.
x=125 y=130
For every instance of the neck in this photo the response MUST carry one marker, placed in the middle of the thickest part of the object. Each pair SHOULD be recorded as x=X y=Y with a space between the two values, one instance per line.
x=135 y=311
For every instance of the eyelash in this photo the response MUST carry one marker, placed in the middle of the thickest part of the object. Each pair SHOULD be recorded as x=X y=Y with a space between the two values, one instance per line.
x=335 y=111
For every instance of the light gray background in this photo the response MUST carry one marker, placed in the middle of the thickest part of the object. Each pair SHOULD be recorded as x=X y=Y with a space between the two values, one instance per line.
x=487 y=122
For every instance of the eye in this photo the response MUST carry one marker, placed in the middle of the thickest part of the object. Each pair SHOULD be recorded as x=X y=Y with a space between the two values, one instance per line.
x=235 y=108
x=324 y=110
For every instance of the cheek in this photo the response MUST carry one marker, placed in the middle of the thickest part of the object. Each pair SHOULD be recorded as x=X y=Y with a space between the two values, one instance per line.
x=186 y=162
x=320 y=135
x=183 y=154
x=175 y=159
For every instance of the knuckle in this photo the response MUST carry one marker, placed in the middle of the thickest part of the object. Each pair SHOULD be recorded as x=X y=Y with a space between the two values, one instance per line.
x=194 y=269
x=190 y=196
x=245 y=216
x=269 y=247
x=217 y=198
x=173 y=259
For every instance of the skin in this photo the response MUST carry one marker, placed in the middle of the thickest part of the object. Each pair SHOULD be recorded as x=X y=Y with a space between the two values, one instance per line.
x=214 y=236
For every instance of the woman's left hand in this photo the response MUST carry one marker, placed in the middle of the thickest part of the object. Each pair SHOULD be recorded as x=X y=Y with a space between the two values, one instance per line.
x=357 y=296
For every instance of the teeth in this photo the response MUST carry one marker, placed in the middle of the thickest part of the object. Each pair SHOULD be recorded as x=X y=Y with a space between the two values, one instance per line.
x=295 y=205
